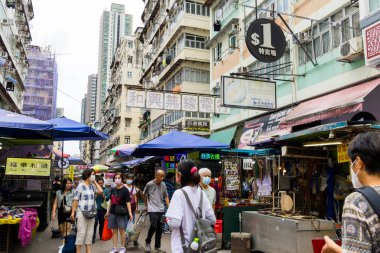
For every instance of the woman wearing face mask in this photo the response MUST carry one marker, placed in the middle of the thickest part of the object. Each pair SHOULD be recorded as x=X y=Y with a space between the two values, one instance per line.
x=360 y=223
x=118 y=212
x=101 y=210
x=205 y=181
x=63 y=202
x=84 y=201
x=179 y=215
x=132 y=193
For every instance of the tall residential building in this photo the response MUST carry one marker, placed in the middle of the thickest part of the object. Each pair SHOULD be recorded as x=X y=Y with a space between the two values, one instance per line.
x=325 y=55
x=114 y=25
x=175 y=59
x=90 y=113
x=59 y=112
x=15 y=36
x=83 y=109
x=41 y=83
x=120 y=121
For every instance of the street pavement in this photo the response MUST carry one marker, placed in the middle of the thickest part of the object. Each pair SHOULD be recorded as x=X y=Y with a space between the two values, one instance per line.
x=42 y=242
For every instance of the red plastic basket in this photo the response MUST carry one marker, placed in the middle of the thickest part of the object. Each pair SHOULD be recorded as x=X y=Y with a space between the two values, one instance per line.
x=218 y=228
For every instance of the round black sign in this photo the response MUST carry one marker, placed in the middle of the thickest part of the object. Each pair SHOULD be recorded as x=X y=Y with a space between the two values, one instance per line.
x=265 y=40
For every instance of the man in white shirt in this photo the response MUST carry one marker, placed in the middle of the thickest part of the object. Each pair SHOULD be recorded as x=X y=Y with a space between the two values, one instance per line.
x=205 y=181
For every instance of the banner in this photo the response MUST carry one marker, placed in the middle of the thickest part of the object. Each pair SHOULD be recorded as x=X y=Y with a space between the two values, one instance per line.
x=71 y=172
x=136 y=98
x=342 y=153
x=28 y=167
x=190 y=103
x=154 y=100
x=172 y=101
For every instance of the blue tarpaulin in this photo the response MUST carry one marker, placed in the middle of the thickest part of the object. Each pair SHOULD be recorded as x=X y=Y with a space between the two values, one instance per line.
x=69 y=130
x=137 y=161
x=177 y=142
x=18 y=126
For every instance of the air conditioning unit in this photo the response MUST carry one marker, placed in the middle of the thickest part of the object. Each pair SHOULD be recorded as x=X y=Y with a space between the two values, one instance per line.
x=19 y=7
x=234 y=29
x=351 y=50
x=3 y=54
x=313 y=153
x=7 y=21
x=242 y=69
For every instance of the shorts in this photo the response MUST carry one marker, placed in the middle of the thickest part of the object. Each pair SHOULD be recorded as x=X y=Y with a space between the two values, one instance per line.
x=116 y=221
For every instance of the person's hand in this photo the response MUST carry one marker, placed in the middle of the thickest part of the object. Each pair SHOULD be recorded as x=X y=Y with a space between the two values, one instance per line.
x=130 y=216
x=106 y=215
x=72 y=216
x=331 y=246
x=53 y=216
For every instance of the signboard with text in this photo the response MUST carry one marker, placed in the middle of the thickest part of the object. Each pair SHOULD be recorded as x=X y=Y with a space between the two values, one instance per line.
x=371 y=39
x=197 y=125
x=28 y=167
x=343 y=153
x=209 y=156
x=171 y=161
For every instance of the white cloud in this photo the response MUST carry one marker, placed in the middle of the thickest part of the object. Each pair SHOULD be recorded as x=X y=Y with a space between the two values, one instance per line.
x=71 y=28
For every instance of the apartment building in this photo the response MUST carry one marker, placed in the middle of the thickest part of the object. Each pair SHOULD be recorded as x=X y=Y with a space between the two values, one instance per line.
x=119 y=120
x=15 y=35
x=329 y=31
x=175 y=60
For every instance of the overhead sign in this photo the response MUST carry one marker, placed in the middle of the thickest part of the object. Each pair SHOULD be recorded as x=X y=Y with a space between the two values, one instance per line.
x=343 y=153
x=209 y=156
x=28 y=167
x=197 y=125
x=63 y=163
x=265 y=40
x=248 y=93
x=371 y=35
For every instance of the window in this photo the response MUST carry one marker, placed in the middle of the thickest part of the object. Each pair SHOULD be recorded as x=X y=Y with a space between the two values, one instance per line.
x=196 y=8
x=128 y=122
x=195 y=41
x=232 y=41
x=130 y=59
x=127 y=140
x=130 y=43
x=218 y=52
x=374 y=5
x=129 y=74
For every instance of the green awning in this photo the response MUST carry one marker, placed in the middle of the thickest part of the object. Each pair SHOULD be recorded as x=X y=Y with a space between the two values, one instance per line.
x=224 y=136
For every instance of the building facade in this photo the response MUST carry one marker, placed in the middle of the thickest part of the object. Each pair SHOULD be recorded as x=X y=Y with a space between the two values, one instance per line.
x=119 y=120
x=114 y=25
x=175 y=60
x=59 y=112
x=15 y=35
x=325 y=32
x=90 y=114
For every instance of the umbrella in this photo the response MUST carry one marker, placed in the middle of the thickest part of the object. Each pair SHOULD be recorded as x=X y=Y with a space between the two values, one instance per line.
x=127 y=150
x=99 y=167
x=176 y=142
x=137 y=161
x=118 y=148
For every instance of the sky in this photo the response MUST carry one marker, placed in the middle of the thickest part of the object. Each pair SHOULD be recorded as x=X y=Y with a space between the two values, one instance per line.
x=71 y=29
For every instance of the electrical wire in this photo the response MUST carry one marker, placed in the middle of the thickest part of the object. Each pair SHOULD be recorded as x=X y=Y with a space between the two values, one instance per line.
x=73 y=98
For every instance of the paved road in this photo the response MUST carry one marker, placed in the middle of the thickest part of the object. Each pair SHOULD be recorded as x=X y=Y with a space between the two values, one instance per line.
x=43 y=243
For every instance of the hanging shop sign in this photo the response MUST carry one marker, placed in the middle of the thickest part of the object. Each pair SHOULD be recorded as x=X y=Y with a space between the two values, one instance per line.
x=28 y=167
x=371 y=35
x=262 y=129
x=265 y=40
x=71 y=172
x=231 y=171
x=171 y=162
x=209 y=156
x=248 y=94
x=197 y=125
x=343 y=153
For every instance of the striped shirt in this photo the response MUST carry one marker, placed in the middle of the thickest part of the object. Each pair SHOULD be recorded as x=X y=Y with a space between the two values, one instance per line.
x=361 y=225
x=85 y=196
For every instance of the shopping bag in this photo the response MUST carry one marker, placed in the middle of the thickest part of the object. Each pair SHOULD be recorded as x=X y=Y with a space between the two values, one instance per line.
x=107 y=233
x=130 y=228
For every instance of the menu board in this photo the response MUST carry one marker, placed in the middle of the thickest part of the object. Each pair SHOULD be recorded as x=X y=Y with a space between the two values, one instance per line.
x=232 y=176
x=28 y=167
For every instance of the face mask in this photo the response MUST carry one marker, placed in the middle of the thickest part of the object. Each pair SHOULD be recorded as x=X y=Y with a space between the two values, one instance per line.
x=354 y=177
x=92 y=178
x=206 y=180
x=118 y=181
x=129 y=181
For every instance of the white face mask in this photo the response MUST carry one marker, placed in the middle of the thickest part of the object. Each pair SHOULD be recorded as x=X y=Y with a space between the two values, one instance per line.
x=354 y=177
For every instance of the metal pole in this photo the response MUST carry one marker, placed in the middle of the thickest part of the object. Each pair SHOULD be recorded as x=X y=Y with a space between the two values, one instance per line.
x=63 y=141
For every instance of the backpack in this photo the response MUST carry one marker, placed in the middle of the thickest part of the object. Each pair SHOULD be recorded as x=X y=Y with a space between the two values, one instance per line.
x=202 y=230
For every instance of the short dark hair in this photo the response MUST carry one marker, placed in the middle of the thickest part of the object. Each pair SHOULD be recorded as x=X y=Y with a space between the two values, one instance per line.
x=187 y=178
x=170 y=175
x=130 y=176
x=120 y=174
x=87 y=173
x=367 y=147
x=99 y=179
x=64 y=183
x=56 y=178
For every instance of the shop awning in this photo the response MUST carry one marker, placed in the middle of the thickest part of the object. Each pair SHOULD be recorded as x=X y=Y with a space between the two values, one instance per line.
x=332 y=105
x=251 y=152
x=137 y=161
x=224 y=136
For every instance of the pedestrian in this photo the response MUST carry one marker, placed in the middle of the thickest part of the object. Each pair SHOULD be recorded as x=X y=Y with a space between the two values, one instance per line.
x=101 y=208
x=63 y=202
x=179 y=215
x=132 y=193
x=170 y=186
x=205 y=174
x=119 y=212
x=84 y=206
x=360 y=222
x=55 y=186
x=154 y=194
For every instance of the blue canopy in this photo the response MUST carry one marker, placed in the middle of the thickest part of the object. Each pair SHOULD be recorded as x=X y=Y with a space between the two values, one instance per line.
x=18 y=126
x=69 y=130
x=177 y=142
x=137 y=161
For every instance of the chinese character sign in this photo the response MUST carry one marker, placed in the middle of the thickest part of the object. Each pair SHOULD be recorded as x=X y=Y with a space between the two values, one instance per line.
x=136 y=98
x=342 y=153
x=372 y=41
x=172 y=101
x=189 y=103
x=28 y=167
x=220 y=109
x=154 y=100
x=206 y=104
x=209 y=156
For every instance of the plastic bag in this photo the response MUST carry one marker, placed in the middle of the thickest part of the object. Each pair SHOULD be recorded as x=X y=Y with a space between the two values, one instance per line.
x=130 y=228
x=107 y=233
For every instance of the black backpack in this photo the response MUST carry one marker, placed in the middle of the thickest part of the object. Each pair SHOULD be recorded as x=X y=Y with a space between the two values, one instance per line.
x=202 y=230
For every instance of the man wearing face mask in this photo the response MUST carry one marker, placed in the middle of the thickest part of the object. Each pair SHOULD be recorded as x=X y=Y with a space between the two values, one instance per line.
x=360 y=223
x=205 y=181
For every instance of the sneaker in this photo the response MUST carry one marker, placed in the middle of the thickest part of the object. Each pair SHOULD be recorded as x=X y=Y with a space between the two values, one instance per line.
x=113 y=250
x=122 y=250
x=158 y=250
x=166 y=232
x=147 y=247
